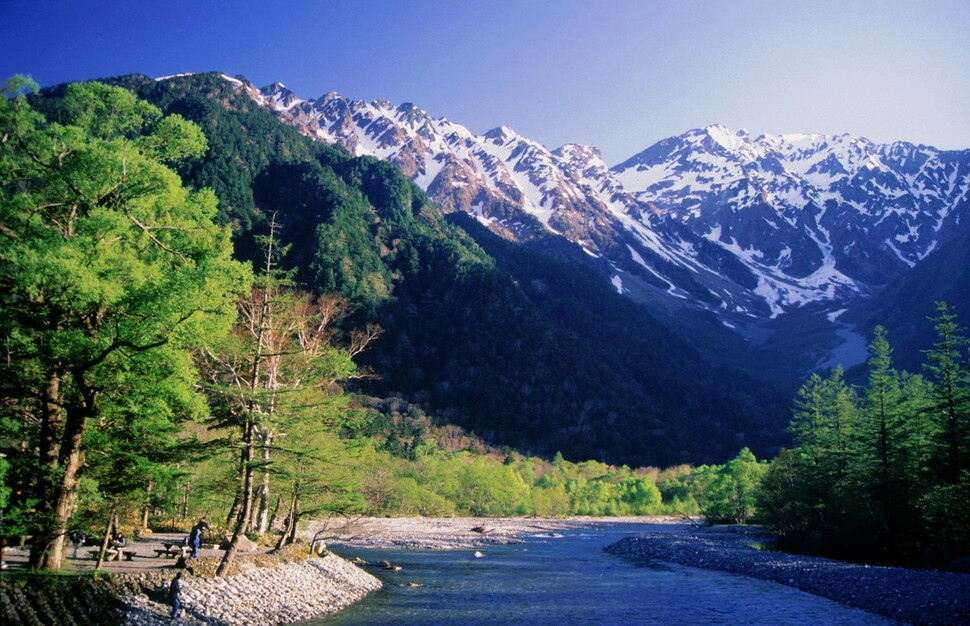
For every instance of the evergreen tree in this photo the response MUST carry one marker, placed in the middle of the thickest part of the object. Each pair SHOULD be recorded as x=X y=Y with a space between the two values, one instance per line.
x=881 y=433
x=279 y=366
x=950 y=394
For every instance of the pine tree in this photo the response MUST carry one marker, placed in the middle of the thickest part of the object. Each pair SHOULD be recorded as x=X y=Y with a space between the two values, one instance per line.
x=880 y=436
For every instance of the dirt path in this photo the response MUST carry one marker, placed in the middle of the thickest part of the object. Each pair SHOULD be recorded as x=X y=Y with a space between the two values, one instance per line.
x=145 y=555
x=410 y=532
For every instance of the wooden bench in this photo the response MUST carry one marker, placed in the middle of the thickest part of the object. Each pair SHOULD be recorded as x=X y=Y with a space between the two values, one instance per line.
x=112 y=554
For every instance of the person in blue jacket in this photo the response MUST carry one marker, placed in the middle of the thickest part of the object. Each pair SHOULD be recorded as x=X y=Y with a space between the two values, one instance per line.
x=195 y=537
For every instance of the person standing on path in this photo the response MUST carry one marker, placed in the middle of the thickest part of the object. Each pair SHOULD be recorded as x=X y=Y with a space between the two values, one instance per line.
x=195 y=538
x=77 y=538
x=175 y=595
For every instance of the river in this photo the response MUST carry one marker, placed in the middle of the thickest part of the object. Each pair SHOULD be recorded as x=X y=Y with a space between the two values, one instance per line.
x=567 y=579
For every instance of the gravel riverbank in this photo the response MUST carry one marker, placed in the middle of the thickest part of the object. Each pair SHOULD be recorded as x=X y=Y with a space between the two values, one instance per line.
x=284 y=594
x=294 y=591
x=912 y=596
x=459 y=532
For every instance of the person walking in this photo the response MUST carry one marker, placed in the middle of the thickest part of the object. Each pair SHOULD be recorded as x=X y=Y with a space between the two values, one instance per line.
x=175 y=595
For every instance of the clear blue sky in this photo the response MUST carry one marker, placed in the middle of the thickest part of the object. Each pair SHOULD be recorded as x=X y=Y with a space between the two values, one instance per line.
x=619 y=74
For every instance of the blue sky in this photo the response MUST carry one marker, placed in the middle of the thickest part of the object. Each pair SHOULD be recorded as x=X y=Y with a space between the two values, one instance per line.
x=620 y=75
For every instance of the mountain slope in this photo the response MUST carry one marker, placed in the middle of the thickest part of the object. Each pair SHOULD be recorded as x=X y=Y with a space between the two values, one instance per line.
x=904 y=307
x=815 y=218
x=748 y=228
x=515 y=343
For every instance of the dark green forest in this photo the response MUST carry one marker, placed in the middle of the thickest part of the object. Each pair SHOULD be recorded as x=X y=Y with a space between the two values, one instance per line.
x=208 y=314
x=879 y=472
x=523 y=349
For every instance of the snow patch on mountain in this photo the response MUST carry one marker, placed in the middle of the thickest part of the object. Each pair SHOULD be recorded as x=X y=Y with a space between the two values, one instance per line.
x=741 y=225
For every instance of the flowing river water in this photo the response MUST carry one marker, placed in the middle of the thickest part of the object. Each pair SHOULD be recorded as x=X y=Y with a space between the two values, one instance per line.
x=567 y=579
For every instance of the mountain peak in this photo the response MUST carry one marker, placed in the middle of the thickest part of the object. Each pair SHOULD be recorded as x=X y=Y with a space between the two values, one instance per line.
x=746 y=227
x=502 y=134
x=330 y=96
x=725 y=137
x=578 y=151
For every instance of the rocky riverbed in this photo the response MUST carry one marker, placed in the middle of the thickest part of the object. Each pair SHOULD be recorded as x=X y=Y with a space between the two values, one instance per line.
x=295 y=590
x=912 y=596
x=458 y=532
x=287 y=593
x=259 y=595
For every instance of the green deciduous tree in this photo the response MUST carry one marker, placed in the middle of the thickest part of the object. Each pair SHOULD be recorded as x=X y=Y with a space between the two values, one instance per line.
x=109 y=270
x=728 y=492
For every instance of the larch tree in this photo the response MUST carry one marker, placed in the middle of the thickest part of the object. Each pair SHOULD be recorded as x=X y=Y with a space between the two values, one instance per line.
x=881 y=432
x=950 y=392
x=280 y=365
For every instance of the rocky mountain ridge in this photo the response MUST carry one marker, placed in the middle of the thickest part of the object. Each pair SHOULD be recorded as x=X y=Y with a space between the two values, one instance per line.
x=749 y=228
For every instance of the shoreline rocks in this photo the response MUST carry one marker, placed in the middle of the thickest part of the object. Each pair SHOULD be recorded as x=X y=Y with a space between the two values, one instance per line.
x=285 y=593
x=290 y=592
x=912 y=596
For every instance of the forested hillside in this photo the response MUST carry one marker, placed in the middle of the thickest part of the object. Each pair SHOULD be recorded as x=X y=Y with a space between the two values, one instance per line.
x=150 y=378
x=522 y=349
x=904 y=307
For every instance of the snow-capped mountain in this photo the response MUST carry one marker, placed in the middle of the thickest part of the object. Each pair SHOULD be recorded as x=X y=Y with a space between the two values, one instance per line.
x=815 y=218
x=748 y=227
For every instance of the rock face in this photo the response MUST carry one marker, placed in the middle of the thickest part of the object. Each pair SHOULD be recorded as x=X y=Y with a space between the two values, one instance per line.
x=747 y=227
x=243 y=544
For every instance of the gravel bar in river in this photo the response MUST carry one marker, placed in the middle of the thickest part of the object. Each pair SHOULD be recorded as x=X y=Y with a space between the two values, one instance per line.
x=906 y=595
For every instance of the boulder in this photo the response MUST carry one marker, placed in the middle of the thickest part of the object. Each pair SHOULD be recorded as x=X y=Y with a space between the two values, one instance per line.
x=244 y=544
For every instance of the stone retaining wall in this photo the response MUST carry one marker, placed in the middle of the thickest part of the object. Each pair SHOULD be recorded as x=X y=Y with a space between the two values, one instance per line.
x=286 y=593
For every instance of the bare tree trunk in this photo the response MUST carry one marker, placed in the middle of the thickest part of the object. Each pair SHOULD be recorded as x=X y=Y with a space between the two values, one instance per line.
x=236 y=506
x=276 y=510
x=112 y=523
x=238 y=498
x=261 y=518
x=294 y=521
x=148 y=504
x=247 y=502
x=47 y=551
x=185 y=501
x=290 y=523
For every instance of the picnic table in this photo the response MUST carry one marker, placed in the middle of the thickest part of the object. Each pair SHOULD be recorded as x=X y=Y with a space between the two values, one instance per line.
x=173 y=550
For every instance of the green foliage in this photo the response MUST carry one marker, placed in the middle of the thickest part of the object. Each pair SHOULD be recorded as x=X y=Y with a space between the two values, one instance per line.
x=520 y=344
x=947 y=515
x=729 y=491
x=878 y=476
x=110 y=271
x=949 y=408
